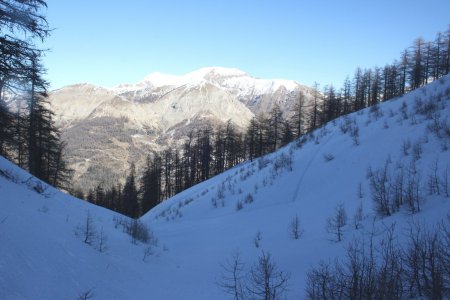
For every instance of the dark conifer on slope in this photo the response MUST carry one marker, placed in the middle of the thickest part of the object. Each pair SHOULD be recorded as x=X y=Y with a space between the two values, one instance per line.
x=130 y=203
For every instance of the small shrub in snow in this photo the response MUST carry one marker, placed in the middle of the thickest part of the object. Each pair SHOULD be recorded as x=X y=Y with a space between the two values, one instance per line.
x=150 y=249
x=282 y=162
x=295 y=229
x=376 y=111
x=255 y=189
x=263 y=162
x=189 y=200
x=257 y=239
x=404 y=110
x=248 y=199
x=391 y=113
x=417 y=151
x=433 y=179
x=358 y=217
x=86 y=295
x=102 y=241
x=87 y=230
x=221 y=191
x=43 y=209
x=406 y=146
x=336 y=223
x=328 y=157
x=39 y=188
x=360 y=192
x=444 y=182
x=354 y=133
x=137 y=230
x=239 y=205
x=345 y=124
x=214 y=202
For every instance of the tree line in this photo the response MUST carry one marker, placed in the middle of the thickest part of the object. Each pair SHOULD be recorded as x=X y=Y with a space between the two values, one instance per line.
x=28 y=135
x=210 y=151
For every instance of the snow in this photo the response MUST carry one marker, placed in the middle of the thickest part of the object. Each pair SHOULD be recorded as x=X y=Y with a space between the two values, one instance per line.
x=41 y=257
x=228 y=78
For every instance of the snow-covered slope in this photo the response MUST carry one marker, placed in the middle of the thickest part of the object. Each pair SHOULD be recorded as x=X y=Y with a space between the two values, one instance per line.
x=41 y=257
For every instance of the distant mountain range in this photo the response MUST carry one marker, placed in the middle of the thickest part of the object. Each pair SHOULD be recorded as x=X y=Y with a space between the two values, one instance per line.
x=107 y=129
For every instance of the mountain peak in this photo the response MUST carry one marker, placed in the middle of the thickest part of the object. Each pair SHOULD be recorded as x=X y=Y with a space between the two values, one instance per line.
x=158 y=79
x=217 y=72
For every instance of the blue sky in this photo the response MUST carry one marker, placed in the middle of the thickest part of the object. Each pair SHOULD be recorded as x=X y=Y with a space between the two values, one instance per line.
x=108 y=42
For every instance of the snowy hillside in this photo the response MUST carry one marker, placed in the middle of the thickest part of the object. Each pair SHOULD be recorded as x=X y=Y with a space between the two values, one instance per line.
x=247 y=209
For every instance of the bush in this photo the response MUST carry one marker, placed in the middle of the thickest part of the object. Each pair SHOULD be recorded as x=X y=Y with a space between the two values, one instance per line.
x=263 y=281
x=137 y=230
x=328 y=157
x=295 y=229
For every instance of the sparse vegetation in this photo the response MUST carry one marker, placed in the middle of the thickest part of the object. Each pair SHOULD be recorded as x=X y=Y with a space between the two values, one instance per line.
x=336 y=223
x=388 y=269
x=257 y=239
x=264 y=280
x=295 y=228
x=137 y=230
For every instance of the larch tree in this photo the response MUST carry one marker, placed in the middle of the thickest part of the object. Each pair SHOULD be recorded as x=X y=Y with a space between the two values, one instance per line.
x=130 y=195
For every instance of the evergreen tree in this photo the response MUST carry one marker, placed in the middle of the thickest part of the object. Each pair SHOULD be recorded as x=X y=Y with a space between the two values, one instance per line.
x=274 y=128
x=315 y=112
x=100 y=196
x=287 y=135
x=167 y=173
x=219 y=150
x=298 y=116
x=130 y=195
x=150 y=190
x=251 y=138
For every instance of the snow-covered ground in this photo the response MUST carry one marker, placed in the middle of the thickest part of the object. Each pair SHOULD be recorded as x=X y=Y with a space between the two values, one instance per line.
x=43 y=256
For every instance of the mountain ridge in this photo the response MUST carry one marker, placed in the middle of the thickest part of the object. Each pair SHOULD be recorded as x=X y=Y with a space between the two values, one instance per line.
x=158 y=112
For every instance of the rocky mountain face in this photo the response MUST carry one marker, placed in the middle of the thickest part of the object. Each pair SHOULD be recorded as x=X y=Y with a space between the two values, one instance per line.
x=107 y=129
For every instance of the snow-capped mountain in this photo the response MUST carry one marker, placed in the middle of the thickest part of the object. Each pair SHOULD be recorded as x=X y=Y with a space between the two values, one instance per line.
x=247 y=210
x=107 y=129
